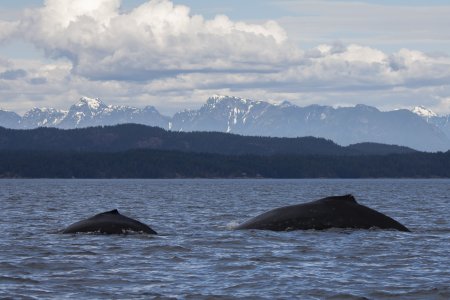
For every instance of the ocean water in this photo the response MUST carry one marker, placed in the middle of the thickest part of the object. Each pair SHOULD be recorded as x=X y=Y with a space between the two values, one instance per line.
x=197 y=254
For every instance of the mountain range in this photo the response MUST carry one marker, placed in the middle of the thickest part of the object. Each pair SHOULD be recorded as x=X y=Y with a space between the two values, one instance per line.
x=140 y=151
x=418 y=128
x=126 y=137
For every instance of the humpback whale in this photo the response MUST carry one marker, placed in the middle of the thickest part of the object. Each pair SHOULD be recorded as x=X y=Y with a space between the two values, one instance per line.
x=330 y=212
x=110 y=222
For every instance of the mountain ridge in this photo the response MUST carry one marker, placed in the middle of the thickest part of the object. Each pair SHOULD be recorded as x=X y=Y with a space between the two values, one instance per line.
x=126 y=137
x=420 y=128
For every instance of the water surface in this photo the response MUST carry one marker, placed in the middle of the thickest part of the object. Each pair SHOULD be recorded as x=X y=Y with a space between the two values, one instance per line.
x=197 y=254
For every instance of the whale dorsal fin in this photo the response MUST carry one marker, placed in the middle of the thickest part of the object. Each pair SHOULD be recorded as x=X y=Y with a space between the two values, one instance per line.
x=339 y=199
x=347 y=198
x=111 y=212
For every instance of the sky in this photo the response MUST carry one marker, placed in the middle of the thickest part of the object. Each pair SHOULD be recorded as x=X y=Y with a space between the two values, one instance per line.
x=175 y=54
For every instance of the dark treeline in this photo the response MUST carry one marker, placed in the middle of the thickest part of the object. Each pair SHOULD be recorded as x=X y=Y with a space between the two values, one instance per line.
x=125 y=137
x=172 y=164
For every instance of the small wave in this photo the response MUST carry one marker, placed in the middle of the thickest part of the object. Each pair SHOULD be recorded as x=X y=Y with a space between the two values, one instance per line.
x=235 y=267
x=438 y=231
x=433 y=292
x=35 y=265
x=165 y=248
x=232 y=225
x=5 y=266
x=346 y=297
x=10 y=279
x=273 y=259
x=207 y=297
x=80 y=253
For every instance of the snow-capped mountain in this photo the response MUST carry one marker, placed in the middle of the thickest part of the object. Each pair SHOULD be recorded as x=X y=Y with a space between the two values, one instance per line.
x=346 y=125
x=93 y=112
x=85 y=113
x=441 y=122
x=419 y=128
x=42 y=117
x=424 y=112
x=220 y=113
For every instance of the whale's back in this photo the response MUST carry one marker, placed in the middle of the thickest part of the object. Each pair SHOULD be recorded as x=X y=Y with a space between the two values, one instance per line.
x=330 y=212
x=110 y=222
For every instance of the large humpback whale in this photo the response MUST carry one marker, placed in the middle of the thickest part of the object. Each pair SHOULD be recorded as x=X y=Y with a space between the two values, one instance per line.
x=110 y=222
x=330 y=212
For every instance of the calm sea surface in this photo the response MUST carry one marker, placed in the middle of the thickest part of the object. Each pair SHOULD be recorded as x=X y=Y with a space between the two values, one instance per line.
x=197 y=254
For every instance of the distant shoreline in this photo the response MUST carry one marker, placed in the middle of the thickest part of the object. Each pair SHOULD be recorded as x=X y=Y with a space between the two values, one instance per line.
x=158 y=164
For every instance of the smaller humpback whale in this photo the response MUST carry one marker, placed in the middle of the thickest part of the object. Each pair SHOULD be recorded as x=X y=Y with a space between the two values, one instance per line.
x=110 y=222
x=330 y=212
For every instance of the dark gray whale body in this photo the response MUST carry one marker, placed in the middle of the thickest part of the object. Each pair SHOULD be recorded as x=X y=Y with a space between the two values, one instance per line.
x=330 y=212
x=110 y=222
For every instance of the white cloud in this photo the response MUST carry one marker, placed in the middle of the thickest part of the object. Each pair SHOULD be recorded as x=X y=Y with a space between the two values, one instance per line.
x=160 y=54
x=442 y=106
x=7 y=30
x=155 y=39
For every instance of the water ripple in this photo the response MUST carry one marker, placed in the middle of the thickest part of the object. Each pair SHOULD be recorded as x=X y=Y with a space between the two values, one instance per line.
x=198 y=255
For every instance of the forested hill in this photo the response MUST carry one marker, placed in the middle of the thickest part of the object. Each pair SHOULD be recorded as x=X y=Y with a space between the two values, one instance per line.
x=138 y=151
x=174 y=164
x=132 y=136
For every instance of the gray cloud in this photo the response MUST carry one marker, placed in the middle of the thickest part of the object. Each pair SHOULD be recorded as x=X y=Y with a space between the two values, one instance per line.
x=13 y=74
x=161 y=40
x=38 y=80
x=160 y=54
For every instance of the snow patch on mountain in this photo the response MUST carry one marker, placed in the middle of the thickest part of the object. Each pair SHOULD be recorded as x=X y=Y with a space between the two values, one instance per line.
x=92 y=103
x=42 y=117
x=285 y=104
x=344 y=125
x=423 y=112
x=86 y=112
x=419 y=128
